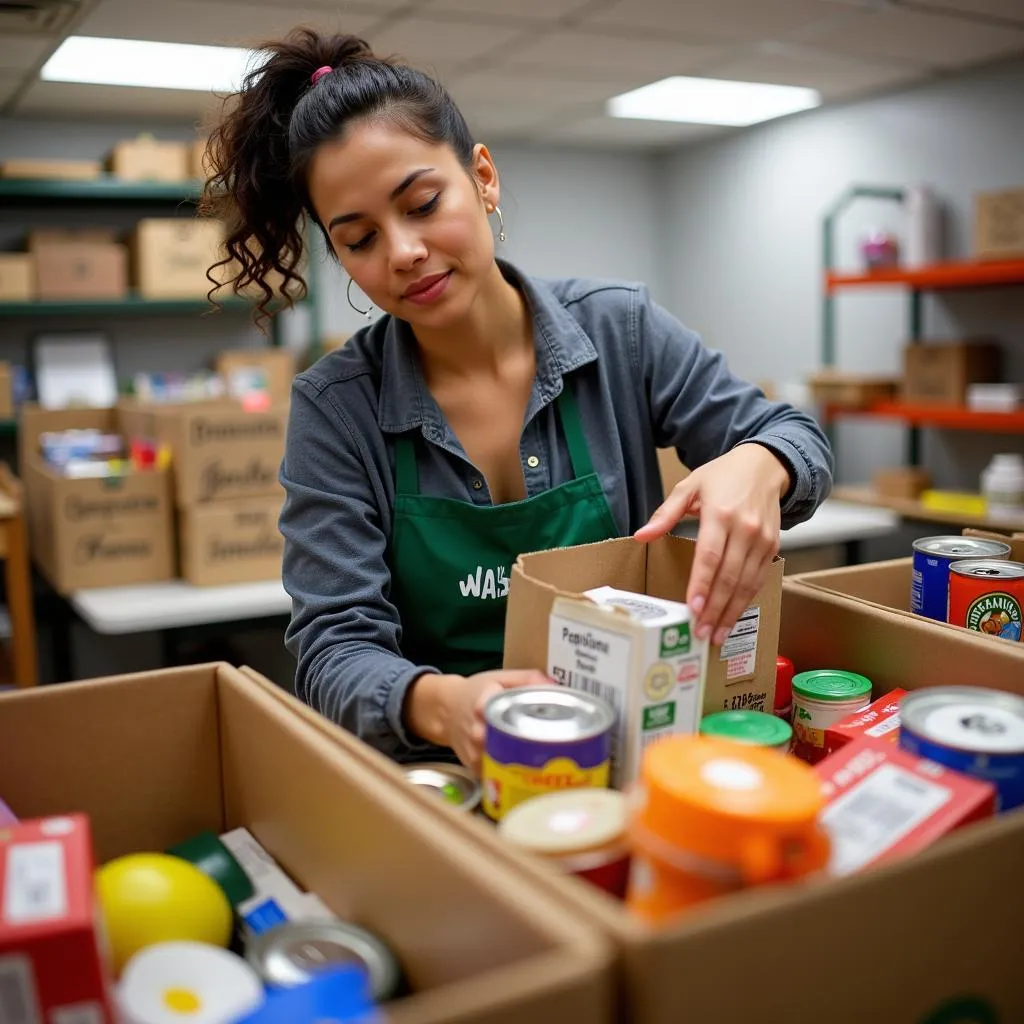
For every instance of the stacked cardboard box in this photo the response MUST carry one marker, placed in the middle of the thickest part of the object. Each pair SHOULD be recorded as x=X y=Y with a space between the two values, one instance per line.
x=225 y=463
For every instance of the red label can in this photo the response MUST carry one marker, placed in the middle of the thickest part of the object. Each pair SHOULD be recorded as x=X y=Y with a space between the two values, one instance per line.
x=987 y=595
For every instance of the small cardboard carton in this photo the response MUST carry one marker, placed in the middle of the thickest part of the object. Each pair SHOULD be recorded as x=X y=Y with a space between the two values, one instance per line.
x=219 y=451
x=17 y=277
x=61 y=170
x=999 y=225
x=879 y=721
x=940 y=372
x=156 y=758
x=86 y=264
x=740 y=673
x=912 y=915
x=171 y=255
x=224 y=542
x=276 y=366
x=98 y=532
x=146 y=159
x=6 y=392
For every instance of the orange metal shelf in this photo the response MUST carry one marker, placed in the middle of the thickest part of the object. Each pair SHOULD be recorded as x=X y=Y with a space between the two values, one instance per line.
x=937 y=277
x=950 y=417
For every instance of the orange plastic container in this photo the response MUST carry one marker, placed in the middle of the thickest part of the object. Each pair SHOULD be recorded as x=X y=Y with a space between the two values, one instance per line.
x=710 y=817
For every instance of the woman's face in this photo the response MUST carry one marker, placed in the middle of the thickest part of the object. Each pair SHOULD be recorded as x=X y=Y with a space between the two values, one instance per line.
x=406 y=221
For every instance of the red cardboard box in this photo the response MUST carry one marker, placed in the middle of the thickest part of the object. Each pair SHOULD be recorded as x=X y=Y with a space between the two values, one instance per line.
x=880 y=720
x=51 y=966
x=885 y=803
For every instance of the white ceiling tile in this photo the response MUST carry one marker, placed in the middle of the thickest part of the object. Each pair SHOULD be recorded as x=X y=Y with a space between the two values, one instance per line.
x=927 y=40
x=444 y=44
x=1011 y=10
x=217 y=22
x=9 y=83
x=834 y=77
x=730 y=19
x=115 y=101
x=534 y=88
x=541 y=10
x=610 y=131
x=487 y=120
x=614 y=56
x=23 y=52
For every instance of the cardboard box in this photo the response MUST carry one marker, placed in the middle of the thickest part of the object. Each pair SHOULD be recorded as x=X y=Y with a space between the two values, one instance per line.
x=672 y=469
x=6 y=392
x=171 y=255
x=51 y=959
x=911 y=915
x=1015 y=540
x=158 y=757
x=219 y=451
x=999 y=225
x=16 y=277
x=59 y=169
x=231 y=541
x=197 y=163
x=102 y=532
x=851 y=390
x=940 y=372
x=276 y=365
x=740 y=674
x=901 y=482
x=884 y=803
x=149 y=160
x=879 y=721
x=85 y=264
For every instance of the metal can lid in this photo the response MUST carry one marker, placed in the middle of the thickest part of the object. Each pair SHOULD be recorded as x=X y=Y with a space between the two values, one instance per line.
x=966 y=718
x=549 y=714
x=290 y=953
x=454 y=783
x=754 y=727
x=956 y=547
x=567 y=821
x=831 y=684
x=988 y=568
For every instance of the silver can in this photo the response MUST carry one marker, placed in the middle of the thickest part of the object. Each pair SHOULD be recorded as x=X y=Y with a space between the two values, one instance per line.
x=929 y=587
x=291 y=953
x=455 y=784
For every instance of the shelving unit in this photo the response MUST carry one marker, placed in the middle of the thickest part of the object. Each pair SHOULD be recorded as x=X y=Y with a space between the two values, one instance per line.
x=943 y=416
x=133 y=305
x=911 y=509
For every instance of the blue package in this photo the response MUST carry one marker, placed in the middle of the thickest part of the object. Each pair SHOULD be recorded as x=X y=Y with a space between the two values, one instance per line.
x=337 y=996
x=264 y=917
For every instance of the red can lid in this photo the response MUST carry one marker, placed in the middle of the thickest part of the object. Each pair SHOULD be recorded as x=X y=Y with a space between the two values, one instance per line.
x=783 y=682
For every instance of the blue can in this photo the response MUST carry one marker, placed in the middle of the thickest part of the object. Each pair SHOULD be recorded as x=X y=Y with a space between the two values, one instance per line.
x=929 y=586
x=971 y=730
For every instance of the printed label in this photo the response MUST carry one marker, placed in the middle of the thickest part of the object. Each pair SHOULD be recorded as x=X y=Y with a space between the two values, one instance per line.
x=659 y=716
x=995 y=614
x=740 y=648
x=35 y=888
x=877 y=813
x=18 y=1003
x=79 y=1013
x=486 y=583
x=506 y=785
x=884 y=726
x=675 y=640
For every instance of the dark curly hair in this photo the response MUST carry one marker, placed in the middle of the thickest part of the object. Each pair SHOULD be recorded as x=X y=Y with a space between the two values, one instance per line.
x=259 y=153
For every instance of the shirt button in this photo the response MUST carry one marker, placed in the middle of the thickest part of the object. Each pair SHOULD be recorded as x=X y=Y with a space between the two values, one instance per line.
x=533 y=462
x=477 y=484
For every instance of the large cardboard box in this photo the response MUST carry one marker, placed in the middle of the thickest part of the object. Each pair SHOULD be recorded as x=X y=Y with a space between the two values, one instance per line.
x=218 y=450
x=225 y=542
x=103 y=532
x=940 y=372
x=781 y=954
x=276 y=365
x=86 y=264
x=999 y=225
x=60 y=169
x=149 y=160
x=16 y=277
x=740 y=674
x=158 y=757
x=171 y=255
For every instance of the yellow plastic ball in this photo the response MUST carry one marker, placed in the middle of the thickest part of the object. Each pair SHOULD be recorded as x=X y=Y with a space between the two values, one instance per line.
x=153 y=897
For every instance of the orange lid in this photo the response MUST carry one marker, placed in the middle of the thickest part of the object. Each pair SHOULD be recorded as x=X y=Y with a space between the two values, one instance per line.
x=726 y=802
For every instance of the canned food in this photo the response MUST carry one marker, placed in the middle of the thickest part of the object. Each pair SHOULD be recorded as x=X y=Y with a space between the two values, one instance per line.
x=583 y=831
x=971 y=730
x=289 y=954
x=987 y=595
x=541 y=739
x=753 y=727
x=821 y=698
x=452 y=782
x=929 y=587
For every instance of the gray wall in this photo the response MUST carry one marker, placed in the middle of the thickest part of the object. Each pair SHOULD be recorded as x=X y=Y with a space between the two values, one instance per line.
x=743 y=244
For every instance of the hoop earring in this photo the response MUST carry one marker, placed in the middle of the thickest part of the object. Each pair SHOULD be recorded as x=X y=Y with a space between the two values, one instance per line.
x=501 y=222
x=368 y=312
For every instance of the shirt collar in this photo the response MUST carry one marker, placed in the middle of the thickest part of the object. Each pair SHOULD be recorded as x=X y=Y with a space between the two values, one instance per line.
x=562 y=345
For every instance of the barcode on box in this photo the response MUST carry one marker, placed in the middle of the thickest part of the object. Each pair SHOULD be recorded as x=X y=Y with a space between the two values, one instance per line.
x=18 y=1003
x=877 y=813
x=34 y=889
x=611 y=695
x=80 y=1013
x=884 y=726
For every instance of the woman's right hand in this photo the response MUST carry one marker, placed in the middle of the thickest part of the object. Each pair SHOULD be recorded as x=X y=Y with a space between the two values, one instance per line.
x=449 y=710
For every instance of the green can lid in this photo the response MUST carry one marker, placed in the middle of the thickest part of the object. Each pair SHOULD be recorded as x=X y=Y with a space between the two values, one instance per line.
x=831 y=684
x=753 y=727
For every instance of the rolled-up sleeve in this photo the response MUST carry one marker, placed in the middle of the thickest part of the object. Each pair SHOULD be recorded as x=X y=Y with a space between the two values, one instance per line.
x=344 y=631
x=703 y=411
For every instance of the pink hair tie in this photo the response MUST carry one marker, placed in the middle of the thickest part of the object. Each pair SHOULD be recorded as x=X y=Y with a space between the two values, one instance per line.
x=319 y=73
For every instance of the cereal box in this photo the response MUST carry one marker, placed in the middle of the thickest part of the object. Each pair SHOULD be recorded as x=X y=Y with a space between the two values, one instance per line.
x=878 y=721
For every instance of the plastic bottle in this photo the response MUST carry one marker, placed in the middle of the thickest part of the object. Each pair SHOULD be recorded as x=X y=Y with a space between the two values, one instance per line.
x=924 y=227
x=1002 y=484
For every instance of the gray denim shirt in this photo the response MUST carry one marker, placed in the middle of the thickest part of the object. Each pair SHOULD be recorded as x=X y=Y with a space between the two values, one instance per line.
x=642 y=381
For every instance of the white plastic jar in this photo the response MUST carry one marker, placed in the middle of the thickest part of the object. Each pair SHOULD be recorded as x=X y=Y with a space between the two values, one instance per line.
x=1002 y=485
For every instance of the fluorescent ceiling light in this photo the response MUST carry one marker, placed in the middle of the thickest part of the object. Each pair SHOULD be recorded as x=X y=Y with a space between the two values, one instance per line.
x=92 y=60
x=712 y=101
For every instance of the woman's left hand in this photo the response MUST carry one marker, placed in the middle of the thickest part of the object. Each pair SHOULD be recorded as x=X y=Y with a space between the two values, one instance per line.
x=737 y=498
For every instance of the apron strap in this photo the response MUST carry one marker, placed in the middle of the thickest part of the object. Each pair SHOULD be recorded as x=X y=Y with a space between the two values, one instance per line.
x=579 y=453
x=407 y=478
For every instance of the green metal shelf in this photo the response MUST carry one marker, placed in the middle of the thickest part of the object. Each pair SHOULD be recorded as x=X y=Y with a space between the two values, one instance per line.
x=98 y=190
x=8 y=427
x=133 y=304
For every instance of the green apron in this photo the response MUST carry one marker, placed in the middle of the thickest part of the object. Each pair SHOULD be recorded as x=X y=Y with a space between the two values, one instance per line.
x=451 y=560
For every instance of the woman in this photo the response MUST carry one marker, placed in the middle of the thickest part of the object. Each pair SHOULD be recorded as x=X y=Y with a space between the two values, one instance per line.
x=488 y=413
